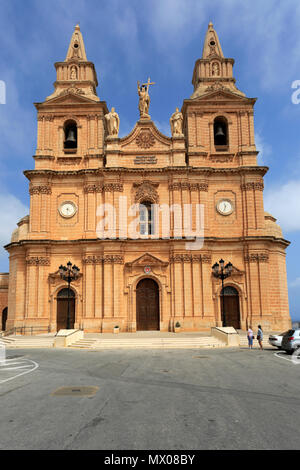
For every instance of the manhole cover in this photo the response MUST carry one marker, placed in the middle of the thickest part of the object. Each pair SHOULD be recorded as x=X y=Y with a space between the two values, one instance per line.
x=75 y=391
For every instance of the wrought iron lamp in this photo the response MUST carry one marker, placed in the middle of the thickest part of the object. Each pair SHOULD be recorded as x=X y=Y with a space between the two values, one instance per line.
x=220 y=271
x=69 y=273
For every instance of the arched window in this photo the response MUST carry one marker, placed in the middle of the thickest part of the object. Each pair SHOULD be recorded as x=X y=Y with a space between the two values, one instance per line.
x=70 y=129
x=146 y=218
x=220 y=133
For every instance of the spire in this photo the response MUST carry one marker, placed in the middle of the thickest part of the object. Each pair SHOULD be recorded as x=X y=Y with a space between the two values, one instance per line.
x=213 y=71
x=76 y=48
x=212 y=44
x=76 y=74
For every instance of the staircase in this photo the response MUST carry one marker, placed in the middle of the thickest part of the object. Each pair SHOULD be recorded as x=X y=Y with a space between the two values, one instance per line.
x=27 y=341
x=176 y=342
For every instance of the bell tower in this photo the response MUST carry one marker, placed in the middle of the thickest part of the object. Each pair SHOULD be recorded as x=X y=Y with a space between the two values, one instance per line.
x=218 y=117
x=71 y=120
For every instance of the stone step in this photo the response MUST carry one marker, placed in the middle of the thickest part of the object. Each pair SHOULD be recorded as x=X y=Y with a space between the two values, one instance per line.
x=28 y=342
x=117 y=343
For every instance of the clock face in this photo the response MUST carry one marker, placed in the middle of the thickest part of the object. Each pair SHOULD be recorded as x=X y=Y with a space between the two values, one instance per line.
x=67 y=209
x=225 y=207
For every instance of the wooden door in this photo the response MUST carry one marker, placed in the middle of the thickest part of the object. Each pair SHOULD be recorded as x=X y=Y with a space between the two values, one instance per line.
x=4 y=318
x=232 y=311
x=62 y=309
x=147 y=305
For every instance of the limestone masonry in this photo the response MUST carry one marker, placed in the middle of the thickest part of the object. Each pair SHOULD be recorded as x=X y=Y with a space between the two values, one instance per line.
x=146 y=283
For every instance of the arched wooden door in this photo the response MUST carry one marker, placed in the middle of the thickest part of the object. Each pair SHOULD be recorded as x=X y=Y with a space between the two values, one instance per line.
x=147 y=305
x=231 y=307
x=62 y=309
x=4 y=318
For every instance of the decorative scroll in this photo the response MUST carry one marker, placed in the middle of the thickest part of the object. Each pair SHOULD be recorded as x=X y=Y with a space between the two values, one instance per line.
x=38 y=261
x=93 y=188
x=186 y=258
x=99 y=259
x=188 y=186
x=117 y=259
x=252 y=186
x=92 y=260
x=40 y=190
x=255 y=257
x=113 y=187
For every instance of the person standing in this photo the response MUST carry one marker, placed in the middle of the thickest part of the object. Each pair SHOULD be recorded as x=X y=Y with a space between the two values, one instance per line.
x=260 y=336
x=250 y=337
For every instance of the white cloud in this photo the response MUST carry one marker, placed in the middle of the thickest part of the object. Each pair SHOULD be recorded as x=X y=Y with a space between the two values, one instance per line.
x=295 y=283
x=12 y=210
x=263 y=147
x=283 y=203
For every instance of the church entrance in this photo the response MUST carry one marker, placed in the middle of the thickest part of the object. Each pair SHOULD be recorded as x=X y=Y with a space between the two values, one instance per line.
x=147 y=305
x=62 y=309
x=231 y=307
x=4 y=318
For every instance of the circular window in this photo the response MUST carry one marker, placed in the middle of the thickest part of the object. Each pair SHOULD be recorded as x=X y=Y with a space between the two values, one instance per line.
x=212 y=43
x=75 y=45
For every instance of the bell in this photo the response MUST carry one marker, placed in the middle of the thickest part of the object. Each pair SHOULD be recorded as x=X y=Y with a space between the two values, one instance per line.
x=71 y=136
x=220 y=132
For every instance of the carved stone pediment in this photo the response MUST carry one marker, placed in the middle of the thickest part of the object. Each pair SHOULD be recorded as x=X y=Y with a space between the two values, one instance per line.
x=147 y=260
x=146 y=192
x=219 y=92
x=145 y=137
x=54 y=278
x=236 y=272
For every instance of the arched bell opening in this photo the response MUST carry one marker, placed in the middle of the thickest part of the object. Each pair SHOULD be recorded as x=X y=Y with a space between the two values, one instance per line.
x=70 y=130
x=221 y=133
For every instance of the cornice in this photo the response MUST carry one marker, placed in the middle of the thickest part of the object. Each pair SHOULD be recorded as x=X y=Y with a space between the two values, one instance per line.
x=262 y=170
x=208 y=240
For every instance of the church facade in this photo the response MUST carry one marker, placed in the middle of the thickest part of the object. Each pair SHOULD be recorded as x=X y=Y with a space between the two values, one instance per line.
x=92 y=196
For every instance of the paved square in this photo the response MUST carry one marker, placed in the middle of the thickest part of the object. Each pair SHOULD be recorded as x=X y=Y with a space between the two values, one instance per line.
x=152 y=399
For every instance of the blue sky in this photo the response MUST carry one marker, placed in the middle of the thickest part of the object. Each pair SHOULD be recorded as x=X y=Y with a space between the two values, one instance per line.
x=130 y=40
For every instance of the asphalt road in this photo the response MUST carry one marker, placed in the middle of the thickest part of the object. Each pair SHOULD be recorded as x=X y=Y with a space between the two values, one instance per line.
x=171 y=400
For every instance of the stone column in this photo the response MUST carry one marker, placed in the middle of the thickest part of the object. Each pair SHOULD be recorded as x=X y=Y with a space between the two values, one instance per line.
x=187 y=286
x=118 y=262
x=108 y=287
x=197 y=285
x=176 y=223
x=178 y=285
x=91 y=193
x=207 y=283
x=250 y=206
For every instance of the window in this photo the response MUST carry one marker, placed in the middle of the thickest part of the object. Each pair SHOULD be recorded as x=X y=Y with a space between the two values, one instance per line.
x=70 y=142
x=146 y=218
x=220 y=133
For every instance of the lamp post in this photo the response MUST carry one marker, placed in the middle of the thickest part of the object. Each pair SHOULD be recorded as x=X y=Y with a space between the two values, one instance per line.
x=222 y=272
x=69 y=273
